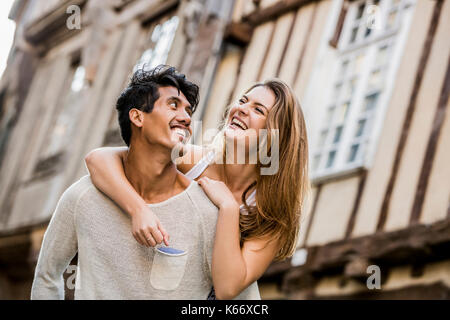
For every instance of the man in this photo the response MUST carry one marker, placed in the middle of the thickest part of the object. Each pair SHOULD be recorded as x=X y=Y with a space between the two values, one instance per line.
x=154 y=116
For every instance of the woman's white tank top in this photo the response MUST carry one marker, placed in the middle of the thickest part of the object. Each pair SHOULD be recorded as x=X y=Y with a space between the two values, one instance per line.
x=201 y=166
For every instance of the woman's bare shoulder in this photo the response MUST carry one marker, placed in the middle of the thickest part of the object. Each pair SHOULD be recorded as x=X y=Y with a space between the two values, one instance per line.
x=192 y=155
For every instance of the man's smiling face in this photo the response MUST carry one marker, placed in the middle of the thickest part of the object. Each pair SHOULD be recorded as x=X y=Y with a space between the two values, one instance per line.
x=169 y=123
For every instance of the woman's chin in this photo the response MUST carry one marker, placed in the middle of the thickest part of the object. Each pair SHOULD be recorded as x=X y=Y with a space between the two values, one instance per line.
x=242 y=139
x=233 y=133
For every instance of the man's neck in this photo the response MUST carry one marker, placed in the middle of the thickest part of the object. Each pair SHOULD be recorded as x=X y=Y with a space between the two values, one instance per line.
x=151 y=172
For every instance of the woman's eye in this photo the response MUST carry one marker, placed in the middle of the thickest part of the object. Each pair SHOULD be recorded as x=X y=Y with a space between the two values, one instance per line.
x=173 y=104
x=260 y=110
x=241 y=101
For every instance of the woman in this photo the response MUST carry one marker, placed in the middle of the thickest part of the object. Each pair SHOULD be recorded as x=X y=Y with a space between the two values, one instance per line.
x=259 y=214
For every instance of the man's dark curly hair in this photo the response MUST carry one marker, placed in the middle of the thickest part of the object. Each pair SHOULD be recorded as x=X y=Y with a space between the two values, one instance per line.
x=142 y=92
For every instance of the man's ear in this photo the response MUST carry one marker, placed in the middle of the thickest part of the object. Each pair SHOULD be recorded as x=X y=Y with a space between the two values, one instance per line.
x=136 y=117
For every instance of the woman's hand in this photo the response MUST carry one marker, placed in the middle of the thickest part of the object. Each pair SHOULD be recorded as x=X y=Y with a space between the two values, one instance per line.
x=105 y=166
x=218 y=192
x=147 y=229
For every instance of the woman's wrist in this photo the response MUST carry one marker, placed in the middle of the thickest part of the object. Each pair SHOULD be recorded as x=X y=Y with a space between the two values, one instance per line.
x=229 y=206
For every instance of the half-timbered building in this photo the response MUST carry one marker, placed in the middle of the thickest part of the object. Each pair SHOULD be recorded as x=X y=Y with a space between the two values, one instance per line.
x=373 y=79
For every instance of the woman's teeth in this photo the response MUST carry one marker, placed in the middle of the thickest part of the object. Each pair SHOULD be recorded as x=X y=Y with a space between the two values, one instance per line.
x=240 y=124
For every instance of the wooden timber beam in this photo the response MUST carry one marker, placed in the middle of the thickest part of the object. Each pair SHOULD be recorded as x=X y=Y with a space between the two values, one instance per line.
x=340 y=24
x=261 y=15
x=240 y=33
x=432 y=291
x=418 y=243
x=52 y=25
x=15 y=257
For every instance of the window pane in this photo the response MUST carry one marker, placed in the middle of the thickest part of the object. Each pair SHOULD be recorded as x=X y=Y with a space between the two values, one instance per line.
x=316 y=162
x=391 y=19
x=331 y=156
x=360 y=10
x=165 y=41
x=329 y=115
x=381 y=58
x=144 y=60
x=78 y=80
x=350 y=89
x=360 y=127
x=156 y=34
x=375 y=79
x=371 y=101
x=358 y=64
x=343 y=111
x=354 y=34
x=322 y=138
x=344 y=68
x=59 y=135
x=337 y=89
x=353 y=153
x=337 y=134
x=161 y=41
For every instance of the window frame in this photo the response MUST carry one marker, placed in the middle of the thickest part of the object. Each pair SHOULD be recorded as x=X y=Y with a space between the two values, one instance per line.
x=395 y=40
x=150 y=45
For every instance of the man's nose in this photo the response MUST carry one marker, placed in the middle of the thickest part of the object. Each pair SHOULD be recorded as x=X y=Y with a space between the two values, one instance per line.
x=184 y=117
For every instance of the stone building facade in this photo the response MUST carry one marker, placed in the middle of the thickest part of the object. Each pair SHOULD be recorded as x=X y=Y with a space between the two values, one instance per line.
x=373 y=79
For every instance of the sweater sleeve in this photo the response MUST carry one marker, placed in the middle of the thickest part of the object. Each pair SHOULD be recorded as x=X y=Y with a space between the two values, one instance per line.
x=59 y=246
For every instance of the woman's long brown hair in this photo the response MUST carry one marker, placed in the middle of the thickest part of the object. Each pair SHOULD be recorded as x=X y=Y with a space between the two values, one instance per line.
x=280 y=196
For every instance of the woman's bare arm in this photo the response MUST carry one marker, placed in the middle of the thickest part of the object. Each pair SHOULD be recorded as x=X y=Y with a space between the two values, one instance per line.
x=107 y=173
x=234 y=268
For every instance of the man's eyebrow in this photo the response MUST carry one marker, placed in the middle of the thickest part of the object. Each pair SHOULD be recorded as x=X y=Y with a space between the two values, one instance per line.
x=257 y=103
x=174 y=98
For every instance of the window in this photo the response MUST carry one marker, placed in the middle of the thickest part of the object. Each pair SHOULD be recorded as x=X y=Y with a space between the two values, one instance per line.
x=60 y=132
x=159 y=42
x=331 y=156
x=353 y=152
x=360 y=128
x=337 y=134
x=63 y=123
x=364 y=60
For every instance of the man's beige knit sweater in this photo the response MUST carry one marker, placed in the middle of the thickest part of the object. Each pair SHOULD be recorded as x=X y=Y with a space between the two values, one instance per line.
x=112 y=265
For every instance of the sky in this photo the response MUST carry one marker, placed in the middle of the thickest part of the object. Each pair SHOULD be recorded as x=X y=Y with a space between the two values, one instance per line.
x=7 y=28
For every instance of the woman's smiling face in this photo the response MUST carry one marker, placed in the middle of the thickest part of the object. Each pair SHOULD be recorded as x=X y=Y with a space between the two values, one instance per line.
x=250 y=112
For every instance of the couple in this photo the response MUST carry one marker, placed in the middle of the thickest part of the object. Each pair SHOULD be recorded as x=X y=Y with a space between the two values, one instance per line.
x=221 y=231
